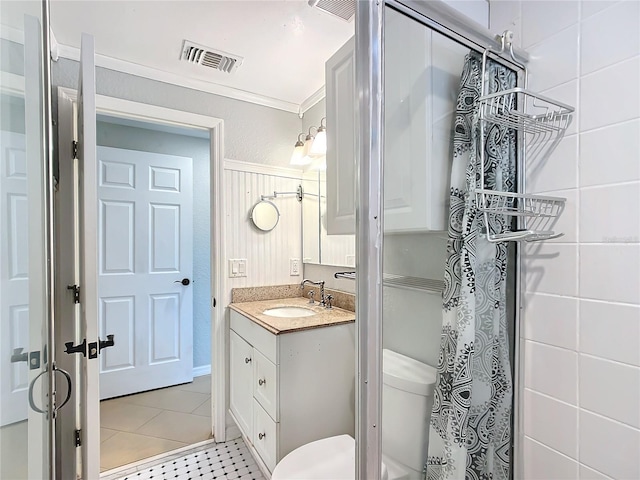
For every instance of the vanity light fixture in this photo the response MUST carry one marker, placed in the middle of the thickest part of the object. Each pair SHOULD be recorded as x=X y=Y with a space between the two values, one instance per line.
x=319 y=146
x=298 y=155
x=313 y=149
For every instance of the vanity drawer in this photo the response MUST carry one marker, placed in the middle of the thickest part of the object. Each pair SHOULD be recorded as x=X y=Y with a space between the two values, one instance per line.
x=265 y=383
x=259 y=337
x=264 y=439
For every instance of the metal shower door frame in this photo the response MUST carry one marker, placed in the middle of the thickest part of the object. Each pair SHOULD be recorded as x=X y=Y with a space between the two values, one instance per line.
x=369 y=23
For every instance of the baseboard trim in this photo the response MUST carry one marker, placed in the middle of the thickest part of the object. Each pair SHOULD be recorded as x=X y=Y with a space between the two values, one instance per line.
x=201 y=370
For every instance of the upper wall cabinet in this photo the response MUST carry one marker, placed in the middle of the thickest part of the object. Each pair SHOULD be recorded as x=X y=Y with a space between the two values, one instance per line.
x=422 y=73
x=341 y=140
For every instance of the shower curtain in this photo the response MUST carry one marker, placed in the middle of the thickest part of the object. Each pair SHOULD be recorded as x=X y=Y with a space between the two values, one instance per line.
x=470 y=428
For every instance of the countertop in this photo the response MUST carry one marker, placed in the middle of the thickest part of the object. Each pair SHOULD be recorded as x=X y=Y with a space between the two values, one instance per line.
x=323 y=317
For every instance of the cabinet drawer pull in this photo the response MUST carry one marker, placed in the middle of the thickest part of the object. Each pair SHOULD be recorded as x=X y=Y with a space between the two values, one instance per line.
x=247 y=360
x=262 y=435
x=261 y=382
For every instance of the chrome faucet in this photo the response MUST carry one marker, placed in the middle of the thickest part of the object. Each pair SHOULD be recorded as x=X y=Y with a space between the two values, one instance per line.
x=319 y=284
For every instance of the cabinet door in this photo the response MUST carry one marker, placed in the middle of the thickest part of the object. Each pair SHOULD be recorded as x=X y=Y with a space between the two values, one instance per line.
x=241 y=388
x=341 y=140
x=265 y=436
x=422 y=72
x=265 y=381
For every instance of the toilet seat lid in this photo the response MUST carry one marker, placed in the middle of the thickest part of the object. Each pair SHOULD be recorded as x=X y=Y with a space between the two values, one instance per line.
x=333 y=457
x=405 y=373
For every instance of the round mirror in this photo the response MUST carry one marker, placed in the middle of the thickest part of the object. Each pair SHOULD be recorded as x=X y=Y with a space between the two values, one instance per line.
x=265 y=215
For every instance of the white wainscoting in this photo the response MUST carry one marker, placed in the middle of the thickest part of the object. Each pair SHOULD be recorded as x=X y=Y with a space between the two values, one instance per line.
x=267 y=253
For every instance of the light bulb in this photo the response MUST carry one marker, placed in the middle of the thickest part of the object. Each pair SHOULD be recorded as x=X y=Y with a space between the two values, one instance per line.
x=299 y=157
x=308 y=142
x=296 y=156
x=319 y=146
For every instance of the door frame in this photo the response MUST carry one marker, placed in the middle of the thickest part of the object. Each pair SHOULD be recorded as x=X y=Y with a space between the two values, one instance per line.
x=67 y=103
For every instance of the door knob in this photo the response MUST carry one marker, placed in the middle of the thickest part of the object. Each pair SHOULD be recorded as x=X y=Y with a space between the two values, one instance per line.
x=19 y=356
x=109 y=342
x=184 y=281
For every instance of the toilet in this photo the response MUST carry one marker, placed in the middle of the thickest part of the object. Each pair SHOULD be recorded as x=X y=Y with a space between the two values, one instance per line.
x=407 y=399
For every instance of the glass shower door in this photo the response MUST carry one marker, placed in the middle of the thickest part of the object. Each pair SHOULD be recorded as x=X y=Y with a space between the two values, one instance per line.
x=421 y=76
x=25 y=370
x=417 y=292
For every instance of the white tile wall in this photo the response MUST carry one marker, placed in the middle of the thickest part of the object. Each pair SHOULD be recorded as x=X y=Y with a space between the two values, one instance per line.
x=581 y=318
x=554 y=320
x=554 y=60
x=594 y=6
x=267 y=253
x=600 y=50
x=610 y=331
x=551 y=268
x=587 y=473
x=609 y=447
x=617 y=144
x=560 y=426
x=610 y=272
x=552 y=371
x=543 y=463
x=598 y=221
x=601 y=380
x=542 y=19
x=610 y=95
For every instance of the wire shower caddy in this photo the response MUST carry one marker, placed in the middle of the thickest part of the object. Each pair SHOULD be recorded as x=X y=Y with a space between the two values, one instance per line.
x=542 y=123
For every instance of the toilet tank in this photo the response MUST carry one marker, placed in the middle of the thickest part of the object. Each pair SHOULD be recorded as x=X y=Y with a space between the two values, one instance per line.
x=407 y=399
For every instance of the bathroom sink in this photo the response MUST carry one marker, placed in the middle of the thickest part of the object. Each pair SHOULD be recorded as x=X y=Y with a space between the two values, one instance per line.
x=289 y=312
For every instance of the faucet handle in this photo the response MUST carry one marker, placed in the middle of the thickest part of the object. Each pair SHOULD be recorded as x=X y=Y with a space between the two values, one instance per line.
x=311 y=294
x=329 y=298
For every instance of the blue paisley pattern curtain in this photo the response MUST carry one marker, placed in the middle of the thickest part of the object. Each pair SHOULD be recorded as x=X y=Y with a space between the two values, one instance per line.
x=470 y=429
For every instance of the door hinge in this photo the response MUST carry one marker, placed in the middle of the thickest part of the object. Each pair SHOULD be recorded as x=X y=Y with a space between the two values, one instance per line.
x=78 y=436
x=74 y=145
x=76 y=292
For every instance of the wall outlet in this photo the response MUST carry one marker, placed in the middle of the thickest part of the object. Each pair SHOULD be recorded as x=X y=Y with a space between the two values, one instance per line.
x=237 y=267
x=350 y=260
x=294 y=266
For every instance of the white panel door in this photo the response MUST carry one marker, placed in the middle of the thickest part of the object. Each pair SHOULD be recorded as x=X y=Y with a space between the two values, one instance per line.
x=14 y=278
x=145 y=204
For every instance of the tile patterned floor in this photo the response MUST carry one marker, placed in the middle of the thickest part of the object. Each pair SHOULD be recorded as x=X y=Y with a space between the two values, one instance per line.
x=139 y=426
x=223 y=461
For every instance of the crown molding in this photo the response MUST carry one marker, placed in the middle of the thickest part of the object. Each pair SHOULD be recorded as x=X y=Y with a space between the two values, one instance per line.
x=111 y=63
x=312 y=100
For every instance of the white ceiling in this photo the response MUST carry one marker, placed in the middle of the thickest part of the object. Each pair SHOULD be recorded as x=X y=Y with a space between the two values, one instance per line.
x=284 y=43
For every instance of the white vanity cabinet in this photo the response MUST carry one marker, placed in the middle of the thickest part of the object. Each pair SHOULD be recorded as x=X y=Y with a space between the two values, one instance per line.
x=290 y=389
x=421 y=83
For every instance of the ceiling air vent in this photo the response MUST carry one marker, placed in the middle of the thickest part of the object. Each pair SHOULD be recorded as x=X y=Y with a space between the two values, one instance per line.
x=207 y=57
x=345 y=9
